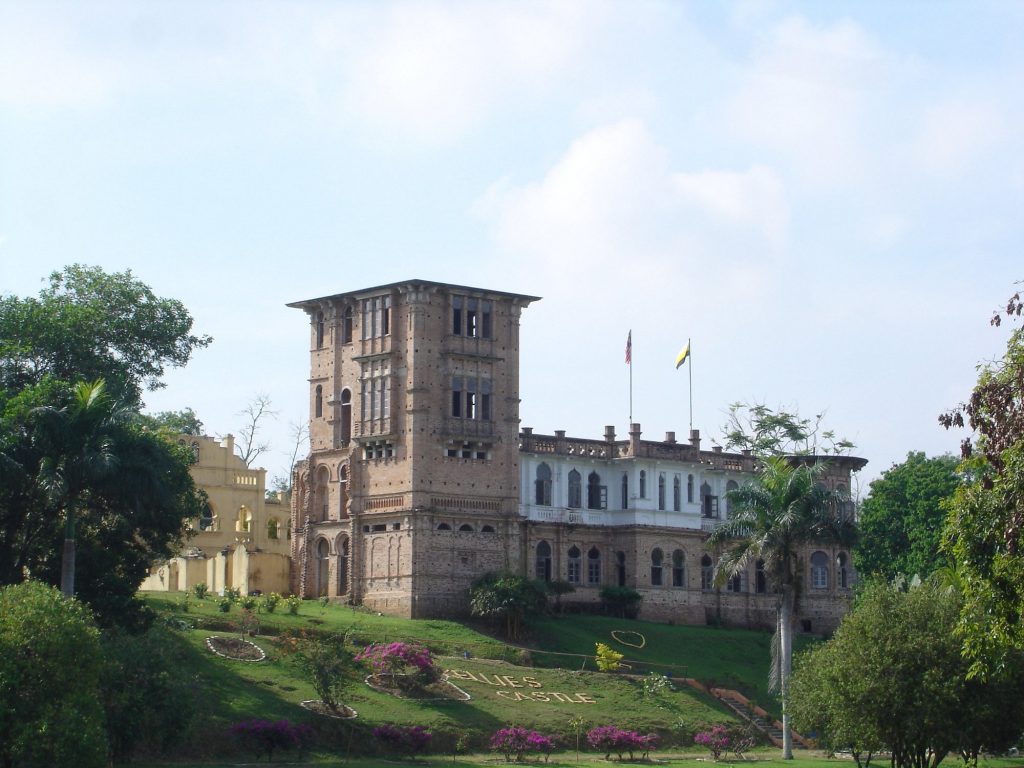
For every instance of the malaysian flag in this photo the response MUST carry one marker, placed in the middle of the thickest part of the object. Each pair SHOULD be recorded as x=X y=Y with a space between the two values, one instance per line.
x=629 y=348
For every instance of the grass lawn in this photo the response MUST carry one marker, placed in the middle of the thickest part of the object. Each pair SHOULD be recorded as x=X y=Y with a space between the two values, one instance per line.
x=544 y=693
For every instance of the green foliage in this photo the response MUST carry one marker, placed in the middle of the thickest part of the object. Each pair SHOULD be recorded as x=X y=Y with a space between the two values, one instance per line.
x=901 y=519
x=892 y=677
x=200 y=590
x=147 y=690
x=508 y=599
x=777 y=432
x=225 y=604
x=294 y=603
x=326 y=663
x=89 y=325
x=269 y=602
x=623 y=602
x=232 y=594
x=606 y=658
x=49 y=677
x=183 y=422
x=986 y=516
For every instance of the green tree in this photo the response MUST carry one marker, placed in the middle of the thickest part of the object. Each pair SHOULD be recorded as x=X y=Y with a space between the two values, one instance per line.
x=892 y=677
x=183 y=422
x=901 y=519
x=89 y=325
x=986 y=515
x=772 y=519
x=778 y=432
x=509 y=599
x=49 y=677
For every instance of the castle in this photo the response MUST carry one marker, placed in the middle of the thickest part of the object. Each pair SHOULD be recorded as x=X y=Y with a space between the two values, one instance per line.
x=419 y=478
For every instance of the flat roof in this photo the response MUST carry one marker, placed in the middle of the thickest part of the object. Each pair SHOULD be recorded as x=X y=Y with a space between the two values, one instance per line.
x=411 y=283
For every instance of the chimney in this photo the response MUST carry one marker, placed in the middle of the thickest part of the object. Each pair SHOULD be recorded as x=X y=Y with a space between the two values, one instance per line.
x=670 y=437
x=609 y=434
x=695 y=438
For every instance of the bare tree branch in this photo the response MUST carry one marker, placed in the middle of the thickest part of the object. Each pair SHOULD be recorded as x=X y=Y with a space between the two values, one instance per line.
x=256 y=412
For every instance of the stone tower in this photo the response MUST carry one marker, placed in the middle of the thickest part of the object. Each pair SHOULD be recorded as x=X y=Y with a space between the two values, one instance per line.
x=411 y=487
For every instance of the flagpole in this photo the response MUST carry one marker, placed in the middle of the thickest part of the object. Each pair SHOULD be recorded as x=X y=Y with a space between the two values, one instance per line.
x=629 y=355
x=688 y=342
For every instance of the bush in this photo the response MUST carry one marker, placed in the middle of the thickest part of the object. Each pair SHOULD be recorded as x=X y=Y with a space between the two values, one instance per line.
x=716 y=740
x=50 y=663
x=621 y=601
x=224 y=605
x=325 y=661
x=293 y=604
x=232 y=594
x=248 y=602
x=269 y=602
x=607 y=659
x=261 y=736
x=517 y=741
x=148 y=697
x=409 y=739
x=200 y=590
x=408 y=665
x=609 y=738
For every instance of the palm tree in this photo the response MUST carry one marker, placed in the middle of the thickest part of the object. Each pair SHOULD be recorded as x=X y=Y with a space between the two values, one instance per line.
x=78 y=449
x=770 y=520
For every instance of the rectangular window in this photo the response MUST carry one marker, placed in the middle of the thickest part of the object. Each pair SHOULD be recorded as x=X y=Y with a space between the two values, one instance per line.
x=376 y=317
x=457 y=315
x=471 y=319
x=457 y=397
x=471 y=399
x=485 y=316
x=593 y=571
x=574 y=570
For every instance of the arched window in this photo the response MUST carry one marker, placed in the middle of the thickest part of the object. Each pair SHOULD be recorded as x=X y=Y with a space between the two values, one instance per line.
x=661 y=491
x=443 y=527
x=843 y=571
x=195 y=452
x=709 y=503
x=466 y=528
x=819 y=570
x=319 y=330
x=678 y=569
x=272 y=528
x=346 y=416
x=596 y=493
x=206 y=519
x=574 y=565
x=620 y=568
x=643 y=484
x=343 y=567
x=487 y=529
x=542 y=486
x=677 y=494
x=318 y=402
x=323 y=567
x=737 y=582
x=343 y=491
x=346 y=326
x=760 y=578
x=689 y=489
x=575 y=490
x=707 y=573
x=542 y=568
x=321 y=494
x=657 y=556
x=732 y=485
x=625 y=490
x=593 y=566
x=244 y=519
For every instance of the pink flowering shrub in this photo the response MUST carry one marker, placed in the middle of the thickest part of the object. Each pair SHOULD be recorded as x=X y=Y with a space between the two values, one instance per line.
x=261 y=736
x=609 y=738
x=408 y=665
x=716 y=740
x=410 y=739
x=517 y=741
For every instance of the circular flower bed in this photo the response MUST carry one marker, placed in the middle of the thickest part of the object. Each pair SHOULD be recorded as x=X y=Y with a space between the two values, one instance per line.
x=341 y=713
x=437 y=690
x=235 y=648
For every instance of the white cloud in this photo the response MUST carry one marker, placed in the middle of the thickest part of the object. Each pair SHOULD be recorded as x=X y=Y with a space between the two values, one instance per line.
x=807 y=93
x=957 y=133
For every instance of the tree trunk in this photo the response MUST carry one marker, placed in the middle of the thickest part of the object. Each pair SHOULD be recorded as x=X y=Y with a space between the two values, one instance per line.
x=786 y=668
x=67 y=565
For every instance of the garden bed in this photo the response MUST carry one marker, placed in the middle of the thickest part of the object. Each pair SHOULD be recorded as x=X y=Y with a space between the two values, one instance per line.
x=235 y=648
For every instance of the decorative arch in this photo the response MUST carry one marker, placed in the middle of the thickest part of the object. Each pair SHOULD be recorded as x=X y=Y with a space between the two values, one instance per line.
x=595 y=492
x=657 y=558
x=731 y=485
x=542 y=486
x=342 y=548
x=594 y=566
x=320 y=493
x=575 y=490
x=843 y=570
x=466 y=528
x=343 y=491
x=319 y=330
x=819 y=570
x=346 y=416
x=323 y=566
x=574 y=565
x=707 y=573
x=273 y=528
x=678 y=568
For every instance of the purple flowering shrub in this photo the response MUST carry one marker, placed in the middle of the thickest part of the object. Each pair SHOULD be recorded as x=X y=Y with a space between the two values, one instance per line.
x=609 y=738
x=261 y=736
x=716 y=740
x=408 y=665
x=517 y=741
x=410 y=739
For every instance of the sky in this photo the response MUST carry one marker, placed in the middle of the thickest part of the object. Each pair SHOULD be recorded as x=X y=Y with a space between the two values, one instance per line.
x=826 y=198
